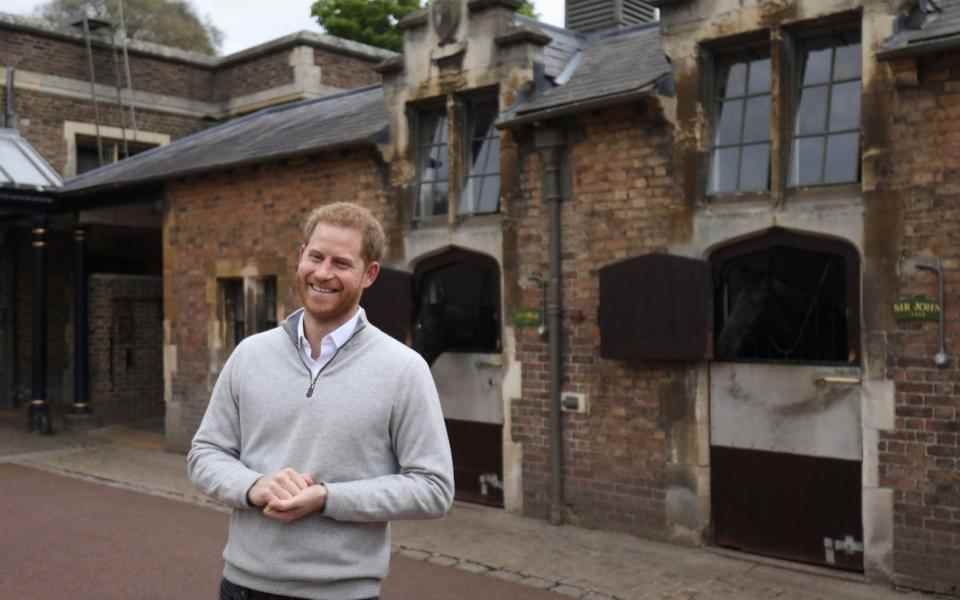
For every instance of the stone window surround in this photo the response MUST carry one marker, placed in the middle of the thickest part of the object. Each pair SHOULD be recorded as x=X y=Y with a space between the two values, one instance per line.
x=249 y=302
x=785 y=48
x=73 y=129
x=457 y=108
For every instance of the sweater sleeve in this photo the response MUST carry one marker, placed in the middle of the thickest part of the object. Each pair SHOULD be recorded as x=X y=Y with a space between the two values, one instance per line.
x=423 y=487
x=213 y=463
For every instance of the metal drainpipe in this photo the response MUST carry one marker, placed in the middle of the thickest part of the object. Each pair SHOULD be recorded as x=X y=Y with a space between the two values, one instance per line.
x=551 y=143
x=10 y=107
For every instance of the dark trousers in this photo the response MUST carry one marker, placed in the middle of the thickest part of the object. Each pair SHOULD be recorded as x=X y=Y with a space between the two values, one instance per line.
x=231 y=591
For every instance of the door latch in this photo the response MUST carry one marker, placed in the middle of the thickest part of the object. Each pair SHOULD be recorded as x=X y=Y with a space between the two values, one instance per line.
x=838 y=380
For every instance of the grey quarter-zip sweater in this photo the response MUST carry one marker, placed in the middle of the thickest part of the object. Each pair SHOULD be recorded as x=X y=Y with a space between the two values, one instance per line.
x=369 y=427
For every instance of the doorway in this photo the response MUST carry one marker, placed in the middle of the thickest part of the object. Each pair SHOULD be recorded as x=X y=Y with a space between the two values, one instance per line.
x=786 y=447
x=457 y=329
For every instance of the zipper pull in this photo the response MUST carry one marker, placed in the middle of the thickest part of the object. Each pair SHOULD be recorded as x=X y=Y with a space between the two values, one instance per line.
x=313 y=384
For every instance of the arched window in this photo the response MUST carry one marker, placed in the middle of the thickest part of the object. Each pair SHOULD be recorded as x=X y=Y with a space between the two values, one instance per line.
x=787 y=297
x=457 y=298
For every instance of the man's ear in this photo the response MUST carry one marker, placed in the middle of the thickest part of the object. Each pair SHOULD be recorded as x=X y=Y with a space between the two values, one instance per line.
x=370 y=274
x=300 y=251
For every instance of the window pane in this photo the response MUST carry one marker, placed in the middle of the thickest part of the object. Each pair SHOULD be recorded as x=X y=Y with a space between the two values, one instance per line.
x=843 y=158
x=732 y=80
x=847 y=62
x=728 y=125
x=492 y=162
x=483 y=117
x=435 y=166
x=486 y=156
x=488 y=200
x=481 y=195
x=759 y=76
x=812 y=113
x=816 y=66
x=433 y=129
x=433 y=199
x=755 y=168
x=723 y=177
x=87 y=159
x=807 y=161
x=757 y=127
x=845 y=106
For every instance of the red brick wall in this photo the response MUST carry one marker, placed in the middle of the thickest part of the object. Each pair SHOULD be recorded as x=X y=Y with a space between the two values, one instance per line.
x=245 y=217
x=344 y=71
x=41 y=118
x=254 y=75
x=126 y=342
x=919 y=460
x=37 y=52
x=624 y=201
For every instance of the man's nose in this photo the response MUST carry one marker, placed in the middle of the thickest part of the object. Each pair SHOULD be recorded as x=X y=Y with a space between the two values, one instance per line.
x=323 y=269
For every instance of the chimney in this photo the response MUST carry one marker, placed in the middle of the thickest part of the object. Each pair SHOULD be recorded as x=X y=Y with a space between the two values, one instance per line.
x=585 y=16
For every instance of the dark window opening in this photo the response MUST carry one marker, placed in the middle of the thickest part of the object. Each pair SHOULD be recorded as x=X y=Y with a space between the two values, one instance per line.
x=457 y=305
x=826 y=145
x=247 y=306
x=481 y=190
x=433 y=164
x=88 y=153
x=786 y=298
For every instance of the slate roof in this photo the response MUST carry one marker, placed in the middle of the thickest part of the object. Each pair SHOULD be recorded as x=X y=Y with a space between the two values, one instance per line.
x=610 y=64
x=352 y=118
x=564 y=44
x=941 y=31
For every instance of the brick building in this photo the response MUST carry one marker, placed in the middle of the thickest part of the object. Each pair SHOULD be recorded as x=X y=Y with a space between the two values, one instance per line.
x=79 y=119
x=666 y=275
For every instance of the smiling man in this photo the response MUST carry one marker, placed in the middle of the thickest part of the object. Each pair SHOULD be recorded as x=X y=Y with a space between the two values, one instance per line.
x=321 y=431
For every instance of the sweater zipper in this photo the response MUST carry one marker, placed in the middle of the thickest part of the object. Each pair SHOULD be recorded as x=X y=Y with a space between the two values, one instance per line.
x=313 y=382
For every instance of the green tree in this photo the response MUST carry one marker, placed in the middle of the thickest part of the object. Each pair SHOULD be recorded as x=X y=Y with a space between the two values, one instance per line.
x=168 y=22
x=528 y=10
x=374 y=22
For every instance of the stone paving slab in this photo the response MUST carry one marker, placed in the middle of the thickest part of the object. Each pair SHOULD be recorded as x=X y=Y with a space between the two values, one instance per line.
x=570 y=561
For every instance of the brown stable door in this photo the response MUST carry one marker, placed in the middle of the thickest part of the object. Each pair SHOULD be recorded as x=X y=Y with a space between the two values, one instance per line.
x=448 y=310
x=785 y=419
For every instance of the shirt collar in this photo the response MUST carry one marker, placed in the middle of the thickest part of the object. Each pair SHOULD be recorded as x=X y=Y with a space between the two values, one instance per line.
x=339 y=336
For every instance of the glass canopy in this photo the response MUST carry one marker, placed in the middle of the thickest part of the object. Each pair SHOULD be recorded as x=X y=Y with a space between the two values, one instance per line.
x=21 y=166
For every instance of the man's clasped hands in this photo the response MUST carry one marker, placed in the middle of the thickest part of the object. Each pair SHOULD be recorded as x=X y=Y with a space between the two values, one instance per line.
x=287 y=495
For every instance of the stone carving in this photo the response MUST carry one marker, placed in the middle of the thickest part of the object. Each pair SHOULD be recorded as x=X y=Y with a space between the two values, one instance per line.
x=446 y=19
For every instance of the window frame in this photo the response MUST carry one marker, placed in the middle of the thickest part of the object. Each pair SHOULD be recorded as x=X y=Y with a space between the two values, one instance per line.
x=748 y=50
x=470 y=102
x=785 y=46
x=74 y=130
x=417 y=120
x=801 y=39
x=255 y=317
x=112 y=149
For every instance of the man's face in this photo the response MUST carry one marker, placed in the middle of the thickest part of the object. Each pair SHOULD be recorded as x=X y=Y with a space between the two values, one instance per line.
x=331 y=275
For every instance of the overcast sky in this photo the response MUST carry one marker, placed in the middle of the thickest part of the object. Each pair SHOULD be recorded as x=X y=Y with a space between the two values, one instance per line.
x=247 y=24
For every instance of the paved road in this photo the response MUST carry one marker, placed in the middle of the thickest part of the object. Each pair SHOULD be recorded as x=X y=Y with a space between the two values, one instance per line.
x=65 y=538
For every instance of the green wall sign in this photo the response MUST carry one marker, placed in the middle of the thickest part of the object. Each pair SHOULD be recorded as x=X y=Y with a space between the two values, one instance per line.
x=527 y=317
x=918 y=308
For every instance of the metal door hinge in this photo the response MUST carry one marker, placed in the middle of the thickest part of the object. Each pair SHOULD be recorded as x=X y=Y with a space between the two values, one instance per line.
x=848 y=545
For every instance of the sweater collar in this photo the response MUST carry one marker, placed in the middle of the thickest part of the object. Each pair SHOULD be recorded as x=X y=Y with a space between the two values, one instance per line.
x=291 y=325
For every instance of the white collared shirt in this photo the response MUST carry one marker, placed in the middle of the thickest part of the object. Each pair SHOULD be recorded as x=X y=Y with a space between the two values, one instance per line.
x=328 y=345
